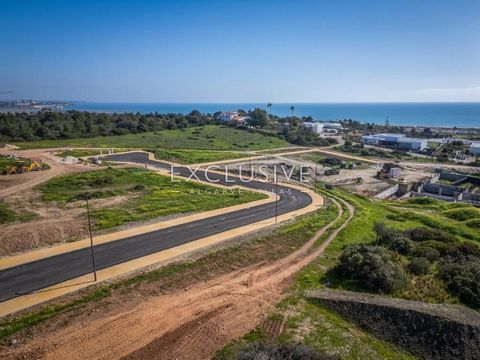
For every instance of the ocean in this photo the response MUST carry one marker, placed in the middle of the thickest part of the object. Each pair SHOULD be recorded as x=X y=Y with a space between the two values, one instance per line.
x=421 y=114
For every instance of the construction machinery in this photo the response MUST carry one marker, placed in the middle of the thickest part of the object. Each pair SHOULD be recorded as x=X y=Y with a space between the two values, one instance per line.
x=22 y=167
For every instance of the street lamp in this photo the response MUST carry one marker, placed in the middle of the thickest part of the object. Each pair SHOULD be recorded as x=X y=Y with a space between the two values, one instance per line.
x=91 y=240
x=276 y=193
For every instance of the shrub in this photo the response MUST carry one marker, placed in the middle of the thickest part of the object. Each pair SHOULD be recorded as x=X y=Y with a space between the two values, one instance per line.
x=392 y=239
x=372 y=267
x=419 y=266
x=428 y=253
x=262 y=350
x=422 y=201
x=473 y=223
x=462 y=279
x=462 y=214
x=462 y=251
x=441 y=247
x=424 y=234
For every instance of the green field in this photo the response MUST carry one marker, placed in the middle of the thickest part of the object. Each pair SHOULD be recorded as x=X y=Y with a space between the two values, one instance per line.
x=197 y=156
x=6 y=215
x=82 y=153
x=149 y=195
x=403 y=215
x=213 y=137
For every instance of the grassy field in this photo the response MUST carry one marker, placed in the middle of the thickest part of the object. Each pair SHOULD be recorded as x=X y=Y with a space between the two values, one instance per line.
x=149 y=195
x=6 y=215
x=212 y=137
x=81 y=153
x=399 y=215
x=183 y=156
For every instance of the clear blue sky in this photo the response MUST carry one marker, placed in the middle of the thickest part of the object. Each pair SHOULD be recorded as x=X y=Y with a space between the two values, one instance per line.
x=241 y=51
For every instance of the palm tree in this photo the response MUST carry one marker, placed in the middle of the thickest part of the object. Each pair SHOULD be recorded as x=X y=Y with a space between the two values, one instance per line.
x=292 y=108
x=269 y=106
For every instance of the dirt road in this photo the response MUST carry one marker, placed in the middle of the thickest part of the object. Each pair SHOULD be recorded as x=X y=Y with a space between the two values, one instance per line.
x=12 y=184
x=188 y=324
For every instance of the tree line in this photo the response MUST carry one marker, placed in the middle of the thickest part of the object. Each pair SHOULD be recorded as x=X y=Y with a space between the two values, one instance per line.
x=79 y=124
x=48 y=125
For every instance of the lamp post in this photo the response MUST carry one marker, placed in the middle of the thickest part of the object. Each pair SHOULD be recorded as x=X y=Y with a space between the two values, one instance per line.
x=276 y=197
x=91 y=241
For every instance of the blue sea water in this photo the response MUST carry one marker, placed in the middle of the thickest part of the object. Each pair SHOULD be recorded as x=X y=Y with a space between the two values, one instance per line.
x=422 y=114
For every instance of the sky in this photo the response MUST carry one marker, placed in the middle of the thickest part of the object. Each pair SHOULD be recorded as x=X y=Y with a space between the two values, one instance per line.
x=241 y=51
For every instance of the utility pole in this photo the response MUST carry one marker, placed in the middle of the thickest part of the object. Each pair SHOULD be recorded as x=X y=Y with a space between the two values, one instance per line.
x=276 y=198
x=91 y=241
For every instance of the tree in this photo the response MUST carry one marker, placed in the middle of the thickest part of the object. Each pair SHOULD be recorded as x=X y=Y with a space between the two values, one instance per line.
x=372 y=267
x=269 y=106
x=291 y=109
x=258 y=117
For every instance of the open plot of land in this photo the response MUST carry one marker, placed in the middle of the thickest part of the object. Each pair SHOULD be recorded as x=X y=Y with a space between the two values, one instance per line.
x=201 y=137
x=119 y=196
x=243 y=293
x=149 y=195
x=187 y=156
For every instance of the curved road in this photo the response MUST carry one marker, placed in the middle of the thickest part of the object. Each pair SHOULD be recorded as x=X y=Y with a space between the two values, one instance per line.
x=33 y=276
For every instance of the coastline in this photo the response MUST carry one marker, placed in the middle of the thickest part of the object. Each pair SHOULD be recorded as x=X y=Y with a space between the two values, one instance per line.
x=443 y=115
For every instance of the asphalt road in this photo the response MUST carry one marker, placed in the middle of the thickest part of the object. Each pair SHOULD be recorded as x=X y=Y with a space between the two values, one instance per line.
x=33 y=276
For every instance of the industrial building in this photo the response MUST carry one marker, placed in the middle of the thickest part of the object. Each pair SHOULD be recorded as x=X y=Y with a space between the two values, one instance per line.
x=399 y=141
x=315 y=126
x=320 y=127
x=475 y=148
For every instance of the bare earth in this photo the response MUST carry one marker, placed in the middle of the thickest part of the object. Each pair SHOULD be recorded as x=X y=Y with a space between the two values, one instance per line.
x=52 y=224
x=188 y=324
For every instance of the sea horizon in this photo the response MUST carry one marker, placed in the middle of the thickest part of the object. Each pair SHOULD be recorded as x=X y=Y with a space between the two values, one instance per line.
x=441 y=114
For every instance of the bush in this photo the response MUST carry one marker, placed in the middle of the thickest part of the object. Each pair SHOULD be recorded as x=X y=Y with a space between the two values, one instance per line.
x=474 y=224
x=462 y=279
x=462 y=214
x=428 y=253
x=422 y=201
x=424 y=234
x=372 y=267
x=392 y=239
x=462 y=251
x=265 y=351
x=419 y=266
x=441 y=247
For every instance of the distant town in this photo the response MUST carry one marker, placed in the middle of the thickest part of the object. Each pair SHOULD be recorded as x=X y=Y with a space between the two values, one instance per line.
x=31 y=105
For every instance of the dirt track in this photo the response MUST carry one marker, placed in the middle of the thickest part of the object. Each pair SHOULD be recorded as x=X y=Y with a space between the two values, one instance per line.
x=52 y=224
x=188 y=324
x=27 y=181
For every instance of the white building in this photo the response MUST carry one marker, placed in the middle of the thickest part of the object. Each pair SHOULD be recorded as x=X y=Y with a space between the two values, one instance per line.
x=233 y=117
x=396 y=141
x=382 y=139
x=475 y=148
x=333 y=125
x=315 y=126
x=228 y=116
x=412 y=143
